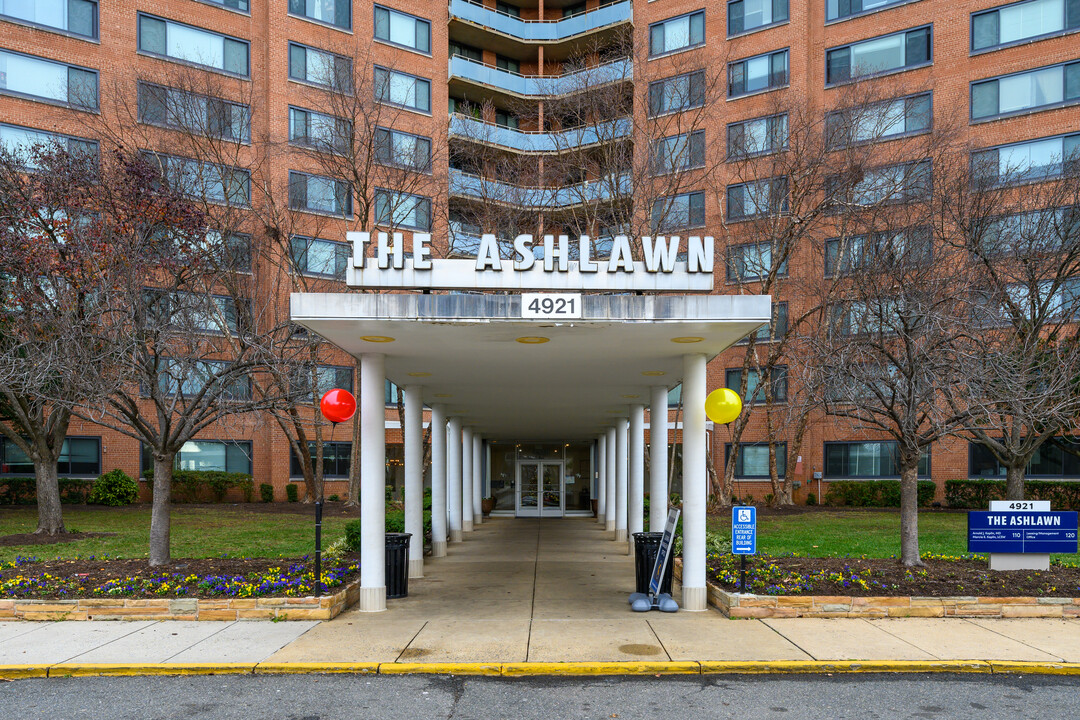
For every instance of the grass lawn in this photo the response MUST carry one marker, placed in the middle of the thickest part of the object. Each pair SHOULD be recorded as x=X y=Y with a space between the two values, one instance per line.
x=836 y=533
x=197 y=532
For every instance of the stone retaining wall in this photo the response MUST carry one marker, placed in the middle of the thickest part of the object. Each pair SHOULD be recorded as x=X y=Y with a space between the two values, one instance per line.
x=287 y=608
x=734 y=605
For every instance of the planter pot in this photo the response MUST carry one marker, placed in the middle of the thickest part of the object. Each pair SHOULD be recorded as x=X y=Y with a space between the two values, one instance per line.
x=487 y=505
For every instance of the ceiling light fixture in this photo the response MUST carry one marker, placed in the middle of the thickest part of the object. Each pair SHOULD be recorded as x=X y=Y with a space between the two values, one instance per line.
x=533 y=340
x=688 y=339
x=653 y=373
x=420 y=374
x=377 y=338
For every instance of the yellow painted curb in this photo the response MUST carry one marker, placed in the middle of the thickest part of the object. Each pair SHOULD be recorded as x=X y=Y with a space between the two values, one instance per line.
x=601 y=668
x=147 y=669
x=291 y=668
x=491 y=669
x=1031 y=668
x=845 y=666
x=17 y=672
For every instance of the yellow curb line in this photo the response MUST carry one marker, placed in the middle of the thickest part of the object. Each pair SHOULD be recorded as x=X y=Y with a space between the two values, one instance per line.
x=148 y=669
x=18 y=672
x=845 y=666
x=293 y=668
x=601 y=668
x=1035 y=668
x=451 y=668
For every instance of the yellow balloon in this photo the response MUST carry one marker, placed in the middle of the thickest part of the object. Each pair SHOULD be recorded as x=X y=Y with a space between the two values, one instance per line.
x=723 y=405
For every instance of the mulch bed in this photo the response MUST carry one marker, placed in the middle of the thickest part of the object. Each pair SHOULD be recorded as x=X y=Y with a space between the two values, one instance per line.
x=182 y=578
x=941 y=577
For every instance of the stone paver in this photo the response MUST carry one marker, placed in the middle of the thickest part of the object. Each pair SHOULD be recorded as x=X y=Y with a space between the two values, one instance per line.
x=959 y=639
x=353 y=637
x=250 y=640
x=711 y=636
x=630 y=638
x=157 y=643
x=845 y=639
x=14 y=628
x=61 y=641
x=1060 y=638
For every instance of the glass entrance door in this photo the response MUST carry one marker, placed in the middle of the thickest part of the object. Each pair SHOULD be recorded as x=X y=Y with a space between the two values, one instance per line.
x=540 y=489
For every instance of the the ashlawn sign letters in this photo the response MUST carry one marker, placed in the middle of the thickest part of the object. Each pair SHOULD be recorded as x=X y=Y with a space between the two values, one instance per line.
x=1021 y=532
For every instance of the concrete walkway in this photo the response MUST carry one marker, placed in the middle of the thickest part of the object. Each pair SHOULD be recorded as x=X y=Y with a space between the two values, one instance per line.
x=537 y=591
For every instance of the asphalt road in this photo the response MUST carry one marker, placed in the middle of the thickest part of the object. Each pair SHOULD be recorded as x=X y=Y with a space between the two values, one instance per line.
x=330 y=697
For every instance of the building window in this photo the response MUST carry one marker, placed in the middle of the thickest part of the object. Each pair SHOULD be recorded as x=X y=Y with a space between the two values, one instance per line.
x=906 y=182
x=398 y=209
x=78 y=17
x=887 y=53
x=189 y=378
x=844 y=256
x=401 y=29
x=756 y=74
x=190 y=44
x=508 y=64
x=512 y=10
x=318 y=257
x=752 y=262
x=1062 y=301
x=752 y=461
x=232 y=456
x=755 y=389
x=390 y=393
x=40 y=79
x=468 y=52
x=771 y=331
x=402 y=149
x=215 y=314
x=869 y=460
x=327 y=377
x=679 y=152
x=760 y=136
x=336 y=459
x=78 y=456
x=840 y=9
x=198 y=114
x=677 y=212
x=879 y=121
x=1049 y=229
x=319 y=194
x=1057 y=458
x=318 y=131
x=403 y=90
x=759 y=198
x=20 y=142
x=746 y=15
x=1032 y=90
x=332 y=12
x=1026 y=161
x=853 y=317
x=204 y=181
x=678 y=33
x=674 y=396
x=505 y=119
x=1023 y=21
x=677 y=93
x=319 y=67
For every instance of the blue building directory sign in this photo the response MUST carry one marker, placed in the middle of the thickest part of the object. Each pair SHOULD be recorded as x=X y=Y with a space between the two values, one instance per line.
x=1021 y=532
x=743 y=530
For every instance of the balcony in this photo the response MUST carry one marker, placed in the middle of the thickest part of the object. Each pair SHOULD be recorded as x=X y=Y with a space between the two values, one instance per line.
x=535 y=86
x=463 y=184
x=541 y=31
x=467 y=128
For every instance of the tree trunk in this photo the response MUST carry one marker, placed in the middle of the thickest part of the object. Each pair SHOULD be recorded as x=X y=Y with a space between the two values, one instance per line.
x=353 y=498
x=781 y=486
x=1014 y=482
x=160 y=520
x=50 y=514
x=909 y=512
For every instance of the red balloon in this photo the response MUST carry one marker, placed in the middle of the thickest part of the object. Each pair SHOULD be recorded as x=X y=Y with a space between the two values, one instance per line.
x=338 y=405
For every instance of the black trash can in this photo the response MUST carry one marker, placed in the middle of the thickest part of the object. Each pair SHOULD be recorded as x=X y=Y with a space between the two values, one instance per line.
x=646 y=546
x=397 y=565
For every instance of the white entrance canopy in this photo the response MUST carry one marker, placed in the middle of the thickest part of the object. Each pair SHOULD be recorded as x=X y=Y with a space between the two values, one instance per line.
x=511 y=378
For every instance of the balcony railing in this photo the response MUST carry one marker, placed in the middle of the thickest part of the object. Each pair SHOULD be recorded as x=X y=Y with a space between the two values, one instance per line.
x=542 y=30
x=473 y=186
x=540 y=86
x=468 y=128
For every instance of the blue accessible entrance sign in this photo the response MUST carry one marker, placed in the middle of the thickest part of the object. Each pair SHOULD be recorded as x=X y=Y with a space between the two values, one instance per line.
x=1022 y=532
x=743 y=530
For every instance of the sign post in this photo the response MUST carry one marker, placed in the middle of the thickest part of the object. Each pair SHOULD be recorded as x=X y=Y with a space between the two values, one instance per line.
x=656 y=600
x=743 y=538
x=1021 y=534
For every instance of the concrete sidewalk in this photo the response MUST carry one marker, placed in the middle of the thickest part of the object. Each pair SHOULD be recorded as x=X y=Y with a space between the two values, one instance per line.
x=550 y=591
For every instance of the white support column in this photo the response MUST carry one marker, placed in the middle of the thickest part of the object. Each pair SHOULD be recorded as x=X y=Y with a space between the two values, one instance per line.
x=414 y=478
x=658 y=455
x=621 y=457
x=438 y=480
x=609 y=515
x=635 y=508
x=466 y=480
x=372 y=483
x=694 y=593
x=453 y=476
x=477 y=479
x=601 y=478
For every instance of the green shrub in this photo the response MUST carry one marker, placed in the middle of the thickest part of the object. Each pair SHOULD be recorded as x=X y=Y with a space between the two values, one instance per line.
x=17 y=490
x=333 y=498
x=206 y=485
x=977 y=494
x=266 y=492
x=75 y=491
x=291 y=492
x=874 y=493
x=114 y=488
x=395 y=522
x=427 y=499
x=352 y=536
x=811 y=499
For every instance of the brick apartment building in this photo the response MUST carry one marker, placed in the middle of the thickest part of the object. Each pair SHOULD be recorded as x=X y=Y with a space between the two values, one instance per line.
x=1006 y=75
